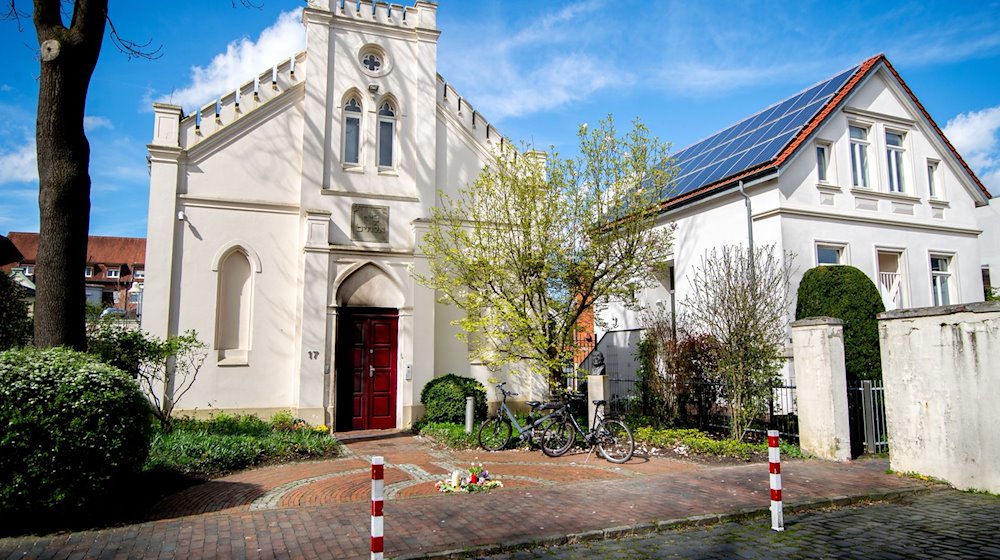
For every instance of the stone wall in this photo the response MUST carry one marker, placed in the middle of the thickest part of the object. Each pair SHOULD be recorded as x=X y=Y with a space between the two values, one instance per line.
x=941 y=368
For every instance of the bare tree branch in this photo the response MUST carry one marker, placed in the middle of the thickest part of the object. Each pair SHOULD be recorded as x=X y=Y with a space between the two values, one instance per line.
x=133 y=49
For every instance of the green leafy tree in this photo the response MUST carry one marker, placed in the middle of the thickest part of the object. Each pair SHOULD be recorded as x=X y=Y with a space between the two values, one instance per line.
x=15 y=324
x=67 y=57
x=537 y=240
x=846 y=293
x=743 y=303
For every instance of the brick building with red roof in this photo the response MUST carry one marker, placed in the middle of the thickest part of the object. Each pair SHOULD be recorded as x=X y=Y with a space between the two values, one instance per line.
x=114 y=266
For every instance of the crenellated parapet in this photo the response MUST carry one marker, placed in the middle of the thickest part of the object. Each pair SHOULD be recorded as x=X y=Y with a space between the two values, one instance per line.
x=228 y=109
x=471 y=120
x=421 y=14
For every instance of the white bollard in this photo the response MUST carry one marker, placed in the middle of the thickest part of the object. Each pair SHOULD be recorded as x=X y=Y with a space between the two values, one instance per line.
x=378 y=496
x=470 y=403
x=774 y=466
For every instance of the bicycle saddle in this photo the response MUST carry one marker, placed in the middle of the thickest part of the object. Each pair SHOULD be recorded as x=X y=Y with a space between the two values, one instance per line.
x=601 y=402
x=533 y=404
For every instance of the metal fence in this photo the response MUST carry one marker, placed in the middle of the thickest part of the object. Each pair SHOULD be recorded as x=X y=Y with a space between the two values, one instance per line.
x=702 y=404
x=866 y=408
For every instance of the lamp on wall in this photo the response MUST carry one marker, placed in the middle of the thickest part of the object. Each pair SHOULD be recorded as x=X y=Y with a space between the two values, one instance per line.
x=373 y=88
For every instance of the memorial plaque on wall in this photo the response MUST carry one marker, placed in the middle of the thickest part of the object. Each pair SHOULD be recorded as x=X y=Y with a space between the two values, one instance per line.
x=370 y=223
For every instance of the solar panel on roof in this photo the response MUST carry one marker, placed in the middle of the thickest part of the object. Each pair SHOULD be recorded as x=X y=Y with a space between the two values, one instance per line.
x=753 y=140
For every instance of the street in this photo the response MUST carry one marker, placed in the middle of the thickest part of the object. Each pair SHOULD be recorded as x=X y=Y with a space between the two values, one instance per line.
x=943 y=524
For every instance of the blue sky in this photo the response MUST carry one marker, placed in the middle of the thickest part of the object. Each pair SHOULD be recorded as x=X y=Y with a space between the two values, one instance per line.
x=536 y=70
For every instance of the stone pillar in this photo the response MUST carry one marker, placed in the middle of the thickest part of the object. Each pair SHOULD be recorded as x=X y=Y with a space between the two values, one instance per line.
x=821 y=387
x=597 y=388
x=312 y=383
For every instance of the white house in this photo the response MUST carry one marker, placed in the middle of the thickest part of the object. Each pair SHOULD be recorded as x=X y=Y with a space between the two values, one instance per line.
x=989 y=243
x=852 y=170
x=285 y=216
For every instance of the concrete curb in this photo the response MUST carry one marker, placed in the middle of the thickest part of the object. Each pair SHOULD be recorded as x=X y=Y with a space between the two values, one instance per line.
x=642 y=529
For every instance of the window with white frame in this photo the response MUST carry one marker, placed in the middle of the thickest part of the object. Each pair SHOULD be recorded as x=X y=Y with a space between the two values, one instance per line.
x=352 y=132
x=29 y=270
x=88 y=271
x=933 y=183
x=139 y=274
x=895 y=153
x=829 y=254
x=941 y=279
x=859 y=157
x=386 y=134
x=114 y=273
x=823 y=162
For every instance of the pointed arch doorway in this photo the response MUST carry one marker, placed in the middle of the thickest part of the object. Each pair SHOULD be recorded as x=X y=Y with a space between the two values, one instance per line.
x=366 y=352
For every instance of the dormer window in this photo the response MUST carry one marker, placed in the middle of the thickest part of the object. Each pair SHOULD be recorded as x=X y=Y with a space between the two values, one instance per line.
x=88 y=271
x=352 y=132
x=139 y=274
x=114 y=272
x=386 y=134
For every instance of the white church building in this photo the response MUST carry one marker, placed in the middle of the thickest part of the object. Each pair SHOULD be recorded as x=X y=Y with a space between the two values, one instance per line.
x=285 y=217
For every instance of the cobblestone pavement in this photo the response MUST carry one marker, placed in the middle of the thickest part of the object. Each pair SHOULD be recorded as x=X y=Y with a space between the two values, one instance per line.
x=321 y=509
x=945 y=524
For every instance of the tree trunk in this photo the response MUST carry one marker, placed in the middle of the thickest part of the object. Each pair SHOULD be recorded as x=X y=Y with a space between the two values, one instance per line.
x=68 y=58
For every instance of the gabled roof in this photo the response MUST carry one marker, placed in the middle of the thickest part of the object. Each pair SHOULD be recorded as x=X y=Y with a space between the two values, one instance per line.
x=764 y=141
x=100 y=249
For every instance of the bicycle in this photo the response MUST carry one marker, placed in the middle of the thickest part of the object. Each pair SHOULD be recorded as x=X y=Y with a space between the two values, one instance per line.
x=611 y=436
x=495 y=433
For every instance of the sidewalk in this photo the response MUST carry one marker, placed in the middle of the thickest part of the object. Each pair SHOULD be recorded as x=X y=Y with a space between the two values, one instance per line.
x=321 y=509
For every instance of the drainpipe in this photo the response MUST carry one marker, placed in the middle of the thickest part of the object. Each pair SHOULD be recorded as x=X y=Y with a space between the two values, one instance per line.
x=749 y=231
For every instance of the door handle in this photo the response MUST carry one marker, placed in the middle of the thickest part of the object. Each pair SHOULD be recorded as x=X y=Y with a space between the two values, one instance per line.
x=371 y=371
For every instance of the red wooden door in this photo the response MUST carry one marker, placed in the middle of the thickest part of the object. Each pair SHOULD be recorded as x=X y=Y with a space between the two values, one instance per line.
x=368 y=343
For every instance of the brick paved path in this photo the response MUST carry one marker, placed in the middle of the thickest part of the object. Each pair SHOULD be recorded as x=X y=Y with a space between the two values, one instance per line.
x=945 y=524
x=320 y=509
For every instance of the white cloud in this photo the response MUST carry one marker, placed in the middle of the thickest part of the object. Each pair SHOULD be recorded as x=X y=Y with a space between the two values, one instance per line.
x=91 y=124
x=19 y=165
x=975 y=136
x=546 y=63
x=6 y=88
x=242 y=60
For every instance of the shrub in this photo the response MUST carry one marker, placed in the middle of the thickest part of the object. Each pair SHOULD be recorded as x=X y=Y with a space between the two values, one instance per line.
x=73 y=428
x=15 y=324
x=848 y=294
x=444 y=398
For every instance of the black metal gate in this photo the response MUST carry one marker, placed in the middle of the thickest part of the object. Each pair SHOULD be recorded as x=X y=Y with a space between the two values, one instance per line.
x=866 y=417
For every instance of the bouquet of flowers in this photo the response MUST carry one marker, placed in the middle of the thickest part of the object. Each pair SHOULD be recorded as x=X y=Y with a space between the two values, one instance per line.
x=478 y=481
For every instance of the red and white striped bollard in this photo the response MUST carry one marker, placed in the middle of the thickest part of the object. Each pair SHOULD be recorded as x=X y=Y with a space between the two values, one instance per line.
x=378 y=496
x=774 y=466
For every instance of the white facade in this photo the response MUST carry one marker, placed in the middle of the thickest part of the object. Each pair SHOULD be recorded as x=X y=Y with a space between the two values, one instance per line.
x=290 y=210
x=989 y=242
x=920 y=245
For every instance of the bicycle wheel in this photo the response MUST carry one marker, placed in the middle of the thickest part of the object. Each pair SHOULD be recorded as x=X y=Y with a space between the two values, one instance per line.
x=614 y=441
x=494 y=434
x=558 y=438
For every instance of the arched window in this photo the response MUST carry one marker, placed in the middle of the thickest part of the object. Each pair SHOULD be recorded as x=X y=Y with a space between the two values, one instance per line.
x=386 y=134
x=352 y=131
x=233 y=327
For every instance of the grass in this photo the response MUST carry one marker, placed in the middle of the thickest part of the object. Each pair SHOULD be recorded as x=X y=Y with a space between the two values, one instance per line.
x=228 y=443
x=700 y=443
x=691 y=441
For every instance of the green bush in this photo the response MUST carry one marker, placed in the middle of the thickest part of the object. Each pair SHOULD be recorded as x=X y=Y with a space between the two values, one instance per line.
x=116 y=344
x=700 y=443
x=444 y=399
x=73 y=428
x=15 y=324
x=846 y=293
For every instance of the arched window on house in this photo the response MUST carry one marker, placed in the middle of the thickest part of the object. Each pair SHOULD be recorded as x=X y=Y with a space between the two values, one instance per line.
x=386 y=134
x=352 y=131
x=234 y=306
